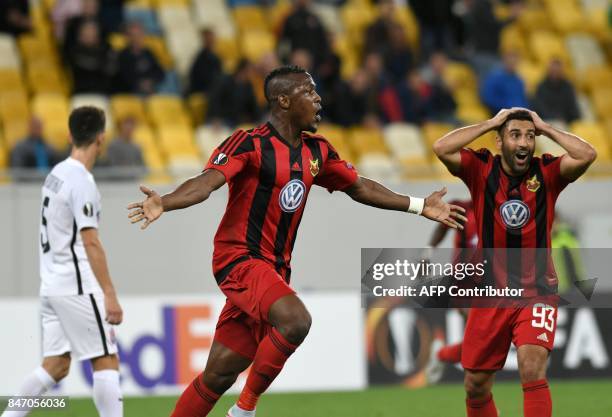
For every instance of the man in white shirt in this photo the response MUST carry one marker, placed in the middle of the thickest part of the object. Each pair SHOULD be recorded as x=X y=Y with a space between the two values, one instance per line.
x=79 y=306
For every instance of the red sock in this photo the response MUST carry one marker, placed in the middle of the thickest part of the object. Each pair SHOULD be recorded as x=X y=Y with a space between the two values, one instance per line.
x=536 y=399
x=450 y=354
x=196 y=401
x=272 y=353
x=481 y=407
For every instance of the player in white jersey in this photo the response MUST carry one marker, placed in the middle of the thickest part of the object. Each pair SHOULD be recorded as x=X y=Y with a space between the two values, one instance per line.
x=79 y=306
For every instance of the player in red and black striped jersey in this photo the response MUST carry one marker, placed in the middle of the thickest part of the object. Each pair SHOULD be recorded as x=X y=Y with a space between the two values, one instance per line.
x=269 y=170
x=514 y=194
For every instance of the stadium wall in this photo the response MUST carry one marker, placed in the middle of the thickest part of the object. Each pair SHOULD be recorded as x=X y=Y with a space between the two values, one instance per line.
x=164 y=343
x=174 y=255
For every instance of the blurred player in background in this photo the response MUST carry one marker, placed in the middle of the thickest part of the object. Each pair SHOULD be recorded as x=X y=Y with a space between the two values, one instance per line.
x=269 y=170
x=464 y=243
x=514 y=195
x=79 y=305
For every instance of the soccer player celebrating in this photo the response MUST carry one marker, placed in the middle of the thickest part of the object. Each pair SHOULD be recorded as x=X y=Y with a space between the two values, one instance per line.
x=269 y=170
x=514 y=196
x=78 y=301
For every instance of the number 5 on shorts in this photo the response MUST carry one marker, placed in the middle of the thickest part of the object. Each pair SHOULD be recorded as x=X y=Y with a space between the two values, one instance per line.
x=543 y=316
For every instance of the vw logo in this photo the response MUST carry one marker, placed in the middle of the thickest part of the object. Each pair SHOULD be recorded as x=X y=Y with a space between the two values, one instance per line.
x=291 y=196
x=514 y=213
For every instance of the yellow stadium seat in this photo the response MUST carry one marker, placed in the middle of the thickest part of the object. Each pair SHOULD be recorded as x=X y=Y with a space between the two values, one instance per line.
x=164 y=110
x=250 y=18
x=532 y=18
x=596 y=78
x=602 y=101
x=229 y=52
x=466 y=97
x=366 y=141
x=532 y=73
x=14 y=106
x=125 y=105
x=160 y=3
x=51 y=107
x=512 y=40
x=434 y=131
x=595 y=134
x=33 y=48
x=177 y=141
x=256 y=43
x=57 y=134
x=546 y=46
x=336 y=135
x=153 y=158
x=458 y=75
x=473 y=113
x=144 y=136
x=4 y=156
x=277 y=15
x=10 y=80
x=405 y=17
x=197 y=108
x=597 y=19
x=566 y=17
x=44 y=79
x=158 y=47
x=356 y=19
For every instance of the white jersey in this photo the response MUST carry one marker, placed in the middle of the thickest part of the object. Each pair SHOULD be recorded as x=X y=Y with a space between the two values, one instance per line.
x=70 y=203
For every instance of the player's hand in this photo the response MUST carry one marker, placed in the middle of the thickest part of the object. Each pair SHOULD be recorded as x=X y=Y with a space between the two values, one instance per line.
x=539 y=124
x=438 y=210
x=114 y=313
x=148 y=210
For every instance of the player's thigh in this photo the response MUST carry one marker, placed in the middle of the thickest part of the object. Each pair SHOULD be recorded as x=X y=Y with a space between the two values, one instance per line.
x=55 y=343
x=254 y=286
x=82 y=318
x=487 y=339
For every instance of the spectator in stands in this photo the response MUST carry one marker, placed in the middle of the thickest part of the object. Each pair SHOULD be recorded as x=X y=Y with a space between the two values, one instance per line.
x=442 y=103
x=89 y=12
x=123 y=153
x=434 y=17
x=139 y=70
x=555 y=97
x=62 y=11
x=232 y=100
x=33 y=151
x=15 y=17
x=378 y=34
x=111 y=15
x=303 y=30
x=92 y=62
x=483 y=30
x=206 y=68
x=415 y=98
x=398 y=56
x=503 y=88
x=266 y=63
x=362 y=99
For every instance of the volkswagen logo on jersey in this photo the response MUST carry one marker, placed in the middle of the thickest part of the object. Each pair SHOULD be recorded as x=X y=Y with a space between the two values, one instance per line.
x=514 y=213
x=291 y=196
x=221 y=159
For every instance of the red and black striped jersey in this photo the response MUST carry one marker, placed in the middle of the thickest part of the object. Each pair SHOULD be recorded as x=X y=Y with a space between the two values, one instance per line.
x=269 y=181
x=515 y=214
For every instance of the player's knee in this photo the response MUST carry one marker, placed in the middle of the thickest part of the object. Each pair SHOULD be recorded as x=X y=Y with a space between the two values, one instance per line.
x=296 y=326
x=476 y=386
x=531 y=369
x=58 y=366
x=219 y=382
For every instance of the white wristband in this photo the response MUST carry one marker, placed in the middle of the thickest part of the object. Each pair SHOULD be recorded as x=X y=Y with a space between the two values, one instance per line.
x=416 y=205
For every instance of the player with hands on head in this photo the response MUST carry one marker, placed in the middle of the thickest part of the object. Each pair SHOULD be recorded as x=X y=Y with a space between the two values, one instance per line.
x=269 y=170
x=514 y=194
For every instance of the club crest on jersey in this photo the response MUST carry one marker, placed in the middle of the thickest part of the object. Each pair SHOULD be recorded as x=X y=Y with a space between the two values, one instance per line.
x=291 y=196
x=533 y=184
x=314 y=167
x=88 y=210
x=514 y=213
x=221 y=159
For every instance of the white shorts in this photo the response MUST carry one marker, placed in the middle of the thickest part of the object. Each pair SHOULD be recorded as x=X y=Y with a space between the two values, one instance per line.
x=75 y=323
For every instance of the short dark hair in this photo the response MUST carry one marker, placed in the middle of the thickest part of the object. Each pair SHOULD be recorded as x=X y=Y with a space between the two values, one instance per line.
x=517 y=115
x=85 y=124
x=280 y=72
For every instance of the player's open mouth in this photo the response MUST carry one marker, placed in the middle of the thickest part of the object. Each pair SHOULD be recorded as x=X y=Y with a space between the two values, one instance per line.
x=318 y=116
x=521 y=157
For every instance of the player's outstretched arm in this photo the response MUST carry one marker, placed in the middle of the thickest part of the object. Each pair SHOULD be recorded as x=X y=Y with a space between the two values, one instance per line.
x=580 y=154
x=448 y=147
x=191 y=192
x=97 y=259
x=374 y=194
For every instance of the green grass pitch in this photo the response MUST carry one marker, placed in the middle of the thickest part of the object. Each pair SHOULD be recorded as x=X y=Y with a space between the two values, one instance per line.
x=570 y=399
